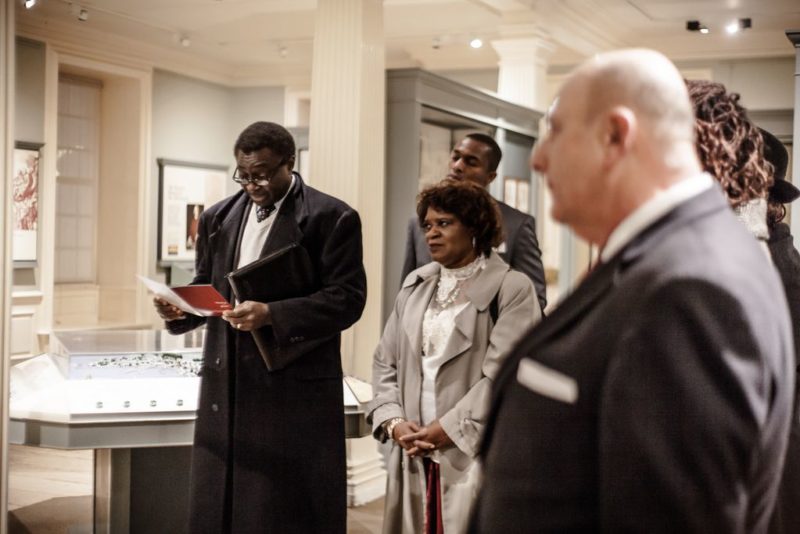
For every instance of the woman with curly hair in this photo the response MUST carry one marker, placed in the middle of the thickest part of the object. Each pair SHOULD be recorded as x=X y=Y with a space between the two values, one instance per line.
x=731 y=149
x=454 y=321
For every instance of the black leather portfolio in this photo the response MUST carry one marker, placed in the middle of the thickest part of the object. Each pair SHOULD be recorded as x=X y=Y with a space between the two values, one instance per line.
x=284 y=274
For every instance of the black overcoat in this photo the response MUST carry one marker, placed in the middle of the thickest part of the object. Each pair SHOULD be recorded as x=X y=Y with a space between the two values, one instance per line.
x=269 y=450
x=786 y=518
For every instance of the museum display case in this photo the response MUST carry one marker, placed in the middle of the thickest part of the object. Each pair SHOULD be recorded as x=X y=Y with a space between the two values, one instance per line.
x=131 y=395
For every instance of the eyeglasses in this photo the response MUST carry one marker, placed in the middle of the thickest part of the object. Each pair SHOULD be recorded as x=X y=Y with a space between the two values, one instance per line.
x=259 y=178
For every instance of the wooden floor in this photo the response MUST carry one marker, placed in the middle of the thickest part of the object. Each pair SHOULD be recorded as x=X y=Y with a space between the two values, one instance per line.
x=50 y=493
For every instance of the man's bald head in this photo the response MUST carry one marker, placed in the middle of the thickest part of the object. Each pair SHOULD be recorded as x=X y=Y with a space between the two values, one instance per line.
x=621 y=130
x=644 y=81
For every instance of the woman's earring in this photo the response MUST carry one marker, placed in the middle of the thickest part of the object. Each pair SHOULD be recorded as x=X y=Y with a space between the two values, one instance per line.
x=473 y=242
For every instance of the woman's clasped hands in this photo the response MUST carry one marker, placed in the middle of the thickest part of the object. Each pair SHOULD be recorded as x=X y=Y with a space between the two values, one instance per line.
x=420 y=440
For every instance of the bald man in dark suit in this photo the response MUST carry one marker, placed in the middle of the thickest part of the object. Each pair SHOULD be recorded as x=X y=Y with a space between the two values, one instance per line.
x=657 y=397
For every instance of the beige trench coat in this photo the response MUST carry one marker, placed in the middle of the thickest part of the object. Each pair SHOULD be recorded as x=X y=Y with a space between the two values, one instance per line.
x=471 y=359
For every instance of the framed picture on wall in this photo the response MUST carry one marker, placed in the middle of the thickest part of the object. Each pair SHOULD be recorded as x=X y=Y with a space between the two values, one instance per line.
x=185 y=190
x=25 y=206
x=517 y=193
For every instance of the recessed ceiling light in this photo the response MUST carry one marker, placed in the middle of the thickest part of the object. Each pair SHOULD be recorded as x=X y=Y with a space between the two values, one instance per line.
x=476 y=43
x=29 y=4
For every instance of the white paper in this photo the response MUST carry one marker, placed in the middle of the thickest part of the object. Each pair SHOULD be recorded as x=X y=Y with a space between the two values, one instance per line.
x=169 y=295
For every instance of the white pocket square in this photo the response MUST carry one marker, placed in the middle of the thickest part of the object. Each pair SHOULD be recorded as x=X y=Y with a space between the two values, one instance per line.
x=501 y=249
x=547 y=382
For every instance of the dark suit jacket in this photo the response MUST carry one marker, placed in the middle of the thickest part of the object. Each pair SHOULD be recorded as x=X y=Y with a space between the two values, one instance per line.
x=681 y=351
x=269 y=451
x=522 y=251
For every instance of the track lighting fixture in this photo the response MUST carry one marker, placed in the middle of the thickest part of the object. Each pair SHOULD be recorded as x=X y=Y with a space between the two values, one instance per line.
x=696 y=26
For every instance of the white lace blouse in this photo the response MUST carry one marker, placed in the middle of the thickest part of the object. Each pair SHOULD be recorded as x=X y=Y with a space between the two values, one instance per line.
x=438 y=323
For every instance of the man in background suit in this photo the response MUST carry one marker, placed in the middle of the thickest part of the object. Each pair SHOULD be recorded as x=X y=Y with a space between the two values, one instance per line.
x=657 y=396
x=475 y=158
x=269 y=446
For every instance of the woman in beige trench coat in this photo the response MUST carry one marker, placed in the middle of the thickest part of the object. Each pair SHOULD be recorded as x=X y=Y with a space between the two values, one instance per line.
x=470 y=354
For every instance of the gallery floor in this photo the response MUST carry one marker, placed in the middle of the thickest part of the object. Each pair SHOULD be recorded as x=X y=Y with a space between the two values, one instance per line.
x=50 y=493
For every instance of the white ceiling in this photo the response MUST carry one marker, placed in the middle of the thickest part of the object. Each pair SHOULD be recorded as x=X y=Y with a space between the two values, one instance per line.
x=243 y=40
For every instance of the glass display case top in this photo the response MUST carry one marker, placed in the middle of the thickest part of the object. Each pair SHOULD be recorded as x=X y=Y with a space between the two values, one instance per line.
x=124 y=341
x=120 y=354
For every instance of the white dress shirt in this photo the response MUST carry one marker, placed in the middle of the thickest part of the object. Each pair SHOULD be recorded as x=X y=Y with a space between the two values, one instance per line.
x=256 y=233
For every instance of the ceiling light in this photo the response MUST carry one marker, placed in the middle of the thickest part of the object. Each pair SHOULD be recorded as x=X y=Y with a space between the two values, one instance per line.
x=436 y=43
x=29 y=3
x=476 y=43
x=185 y=42
x=738 y=25
x=83 y=15
x=696 y=26
x=283 y=51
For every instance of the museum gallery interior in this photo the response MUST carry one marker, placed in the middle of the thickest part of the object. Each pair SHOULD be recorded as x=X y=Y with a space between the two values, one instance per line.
x=119 y=122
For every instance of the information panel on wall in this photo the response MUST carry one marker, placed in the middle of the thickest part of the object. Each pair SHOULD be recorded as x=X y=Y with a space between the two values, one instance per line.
x=185 y=191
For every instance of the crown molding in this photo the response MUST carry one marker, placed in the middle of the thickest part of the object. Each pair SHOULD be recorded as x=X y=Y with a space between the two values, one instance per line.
x=101 y=46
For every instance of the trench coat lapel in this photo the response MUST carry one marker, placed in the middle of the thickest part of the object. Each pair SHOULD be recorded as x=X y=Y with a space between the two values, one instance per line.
x=224 y=239
x=415 y=308
x=480 y=295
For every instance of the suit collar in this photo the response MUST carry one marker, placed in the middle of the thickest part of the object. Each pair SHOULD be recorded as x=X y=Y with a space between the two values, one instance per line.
x=709 y=201
x=286 y=227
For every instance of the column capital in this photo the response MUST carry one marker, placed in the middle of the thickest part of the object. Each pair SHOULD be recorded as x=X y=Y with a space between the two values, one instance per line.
x=524 y=50
x=524 y=43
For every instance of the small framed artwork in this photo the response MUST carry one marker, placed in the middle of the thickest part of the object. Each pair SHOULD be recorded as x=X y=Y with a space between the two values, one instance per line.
x=25 y=206
x=517 y=193
x=185 y=190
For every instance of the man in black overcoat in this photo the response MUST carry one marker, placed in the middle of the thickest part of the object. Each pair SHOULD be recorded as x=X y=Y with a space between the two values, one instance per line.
x=269 y=450
x=475 y=158
x=657 y=396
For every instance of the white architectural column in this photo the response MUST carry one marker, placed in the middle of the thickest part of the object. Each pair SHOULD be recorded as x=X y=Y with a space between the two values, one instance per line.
x=346 y=146
x=7 y=78
x=524 y=56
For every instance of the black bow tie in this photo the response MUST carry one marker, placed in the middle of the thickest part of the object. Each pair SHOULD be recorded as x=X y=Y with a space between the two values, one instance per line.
x=262 y=212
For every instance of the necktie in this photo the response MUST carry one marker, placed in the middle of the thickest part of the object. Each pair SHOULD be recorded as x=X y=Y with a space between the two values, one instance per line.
x=262 y=212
